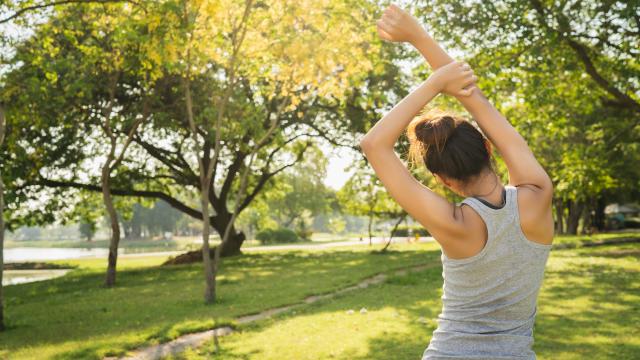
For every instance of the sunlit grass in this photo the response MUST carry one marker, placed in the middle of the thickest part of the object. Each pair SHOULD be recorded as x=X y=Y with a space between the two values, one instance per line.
x=578 y=239
x=75 y=317
x=588 y=309
x=590 y=293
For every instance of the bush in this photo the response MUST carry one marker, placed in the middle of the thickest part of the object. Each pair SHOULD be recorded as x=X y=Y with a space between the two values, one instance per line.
x=304 y=234
x=410 y=231
x=277 y=236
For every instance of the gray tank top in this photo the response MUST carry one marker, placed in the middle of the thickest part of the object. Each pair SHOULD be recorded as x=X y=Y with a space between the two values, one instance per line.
x=489 y=299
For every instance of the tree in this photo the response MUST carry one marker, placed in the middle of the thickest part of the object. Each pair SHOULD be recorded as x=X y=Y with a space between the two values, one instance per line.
x=88 y=229
x=566 y=74
x=282 y=96
x=364 y=195
x=2 y=132
x=299 y=192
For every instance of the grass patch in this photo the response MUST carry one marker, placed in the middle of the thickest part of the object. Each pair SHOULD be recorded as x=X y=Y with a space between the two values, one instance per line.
x=577 y=240
x=588 y=308
x=75 y=317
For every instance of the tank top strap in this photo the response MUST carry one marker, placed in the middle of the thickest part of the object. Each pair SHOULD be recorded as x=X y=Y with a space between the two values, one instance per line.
x=491 y=214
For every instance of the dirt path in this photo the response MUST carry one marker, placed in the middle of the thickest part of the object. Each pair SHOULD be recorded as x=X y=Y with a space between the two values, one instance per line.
x=194 y=340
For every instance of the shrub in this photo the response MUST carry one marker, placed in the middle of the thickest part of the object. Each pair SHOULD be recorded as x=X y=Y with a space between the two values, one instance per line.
x=277 y=236
x=410 y=231
x=304 y=234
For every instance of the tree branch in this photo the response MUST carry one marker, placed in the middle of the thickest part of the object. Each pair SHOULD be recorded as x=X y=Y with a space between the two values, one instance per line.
x=123 y=192
x=19 y=13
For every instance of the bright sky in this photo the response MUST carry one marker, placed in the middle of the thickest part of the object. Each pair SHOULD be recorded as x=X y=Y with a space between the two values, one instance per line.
x=339 y=167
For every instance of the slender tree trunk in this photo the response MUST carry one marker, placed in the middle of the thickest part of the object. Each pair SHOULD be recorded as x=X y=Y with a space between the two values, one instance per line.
x=559 y=204
x=587 y=216
x=110 y=279
x=393 y=231
x=575 y=212
x=2 y=130
x=599 y=217
x=209 y=292
x=214 y=270
x=1 y=244
x=369 y=227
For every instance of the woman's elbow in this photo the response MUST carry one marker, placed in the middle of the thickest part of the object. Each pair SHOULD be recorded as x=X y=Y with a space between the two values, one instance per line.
x=366 y=144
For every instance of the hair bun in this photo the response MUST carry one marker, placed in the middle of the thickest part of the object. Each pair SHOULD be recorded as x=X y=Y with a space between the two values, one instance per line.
x=448 y=145
x=435 y=131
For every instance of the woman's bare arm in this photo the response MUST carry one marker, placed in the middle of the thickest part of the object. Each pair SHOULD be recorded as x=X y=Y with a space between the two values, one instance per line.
x=430 y=209
x=521 y=163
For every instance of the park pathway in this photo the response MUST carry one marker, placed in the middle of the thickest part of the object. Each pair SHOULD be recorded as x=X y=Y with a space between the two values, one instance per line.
x=194 y=340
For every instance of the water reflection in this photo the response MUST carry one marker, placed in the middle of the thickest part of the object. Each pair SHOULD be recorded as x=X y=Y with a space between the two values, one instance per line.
x=12 y=277
x=45 y=254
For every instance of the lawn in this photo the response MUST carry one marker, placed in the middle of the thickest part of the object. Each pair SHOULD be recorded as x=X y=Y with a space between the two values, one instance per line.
x=588 y=309
x=587 y=306
x=75 y=317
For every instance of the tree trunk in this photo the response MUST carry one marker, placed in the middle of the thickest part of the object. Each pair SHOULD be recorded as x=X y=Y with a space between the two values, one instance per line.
x=209 y=291
x=586 y=220
x=369 y=227
x=599 y=217
x=575 y=212
x=127 y=231
x=216 y=263
x=393 y=231
x=110 y=279
x=230 y=248
x=2 y=130
x=1 y=242
x=136 y=230
x=559 y=204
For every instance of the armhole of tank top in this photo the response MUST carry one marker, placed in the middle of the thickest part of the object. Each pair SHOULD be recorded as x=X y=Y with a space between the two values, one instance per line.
x=482 y=212
x=513 y=197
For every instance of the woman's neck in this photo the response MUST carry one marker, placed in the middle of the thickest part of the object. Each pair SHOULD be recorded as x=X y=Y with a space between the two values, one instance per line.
x=488 y=187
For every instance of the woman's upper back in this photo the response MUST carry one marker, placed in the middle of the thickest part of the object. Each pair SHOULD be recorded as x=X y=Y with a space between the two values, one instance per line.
x=507 y=272
x=493 y=292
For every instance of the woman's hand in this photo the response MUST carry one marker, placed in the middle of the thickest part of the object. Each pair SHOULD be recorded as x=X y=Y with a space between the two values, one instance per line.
x=455 y=78
x=397 y=25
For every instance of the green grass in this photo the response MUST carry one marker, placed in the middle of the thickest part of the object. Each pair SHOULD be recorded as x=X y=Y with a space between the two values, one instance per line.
x=576 y=240
x=587 y=305
x=588 y=309
x=75 y=317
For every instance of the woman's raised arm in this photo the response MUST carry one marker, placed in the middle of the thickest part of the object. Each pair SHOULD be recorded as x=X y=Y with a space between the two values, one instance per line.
x=431 y=210
x=398 y=25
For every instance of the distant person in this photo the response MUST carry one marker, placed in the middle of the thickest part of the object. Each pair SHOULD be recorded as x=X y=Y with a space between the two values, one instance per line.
x=495 y=243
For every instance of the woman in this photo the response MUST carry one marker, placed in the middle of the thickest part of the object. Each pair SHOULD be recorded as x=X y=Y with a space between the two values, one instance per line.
x=495 y=248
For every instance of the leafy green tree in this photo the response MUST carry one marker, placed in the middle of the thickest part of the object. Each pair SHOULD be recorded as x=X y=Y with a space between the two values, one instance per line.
x=567 y=75
x=299 y=192
x=2 y=132
x=364 y=195
x=88 y=229
x=242 y=129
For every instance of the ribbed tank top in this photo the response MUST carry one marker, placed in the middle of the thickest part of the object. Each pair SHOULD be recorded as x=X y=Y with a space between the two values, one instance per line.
x=489 y=300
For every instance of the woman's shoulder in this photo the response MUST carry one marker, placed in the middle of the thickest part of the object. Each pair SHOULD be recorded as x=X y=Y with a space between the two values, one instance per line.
x=535 y=213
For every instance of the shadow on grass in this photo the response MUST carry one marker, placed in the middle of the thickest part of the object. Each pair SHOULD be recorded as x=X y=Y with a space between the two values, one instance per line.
x=587 y=309
x=414 y=295
x=151 y=303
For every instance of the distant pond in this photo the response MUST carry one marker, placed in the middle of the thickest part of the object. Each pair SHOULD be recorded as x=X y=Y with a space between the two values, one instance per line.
x=13 y=277
x=47 y=254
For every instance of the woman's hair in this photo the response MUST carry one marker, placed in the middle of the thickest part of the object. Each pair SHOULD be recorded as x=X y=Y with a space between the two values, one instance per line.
x=448 y=145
